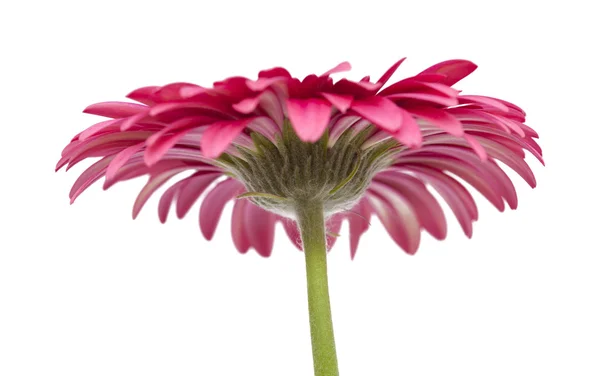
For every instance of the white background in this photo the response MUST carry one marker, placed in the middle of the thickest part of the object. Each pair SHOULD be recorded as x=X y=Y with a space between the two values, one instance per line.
x=84 y=290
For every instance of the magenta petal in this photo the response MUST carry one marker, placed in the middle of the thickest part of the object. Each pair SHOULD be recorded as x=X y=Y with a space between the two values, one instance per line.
x=164 y=204
x=439 y=118
x=341 y=102
x=309 y=117
x=410 y=132
x=213 y=204
x=476 y=146
x=115 y=109
x=88 y=177
x=341 y=67
x=456 y=195
x=154 y=182
x=380 y=111
x=121 y=158
x=238 y=226
x=454 y=70
x=192 y=189
x=427 y=209
x=219 y=136
x=260 y=229
x=358 y=219
x=274 y=72
x=388 y=74
x=106 y=125
x=263 y=83
x=144 y=95
x=479 y=99
x=397 y=216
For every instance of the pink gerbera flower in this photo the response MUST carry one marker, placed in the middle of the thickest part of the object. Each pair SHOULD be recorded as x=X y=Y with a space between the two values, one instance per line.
x=310 y=154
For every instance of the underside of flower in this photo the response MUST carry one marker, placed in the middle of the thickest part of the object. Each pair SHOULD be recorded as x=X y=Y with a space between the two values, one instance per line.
x=356 y=149
x=279 y=176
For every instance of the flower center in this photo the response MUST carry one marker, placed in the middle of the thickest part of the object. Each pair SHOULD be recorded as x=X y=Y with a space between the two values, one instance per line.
x=286 y=173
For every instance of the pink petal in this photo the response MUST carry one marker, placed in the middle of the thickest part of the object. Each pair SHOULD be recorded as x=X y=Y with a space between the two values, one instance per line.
x=238 y=226
x=454 y=70
x=121 y=158
x=425 y=97
x=380 y=111
x=342 y=67
x=397 y=216
x=164 y=204
x=154 y=182
x=309 y=117
x=476 y=146
x=388 y=74
x=428 y=210
x=260 y=229
x=88 y=177
x=274 y=72
x=220 y=135
x=144 y=95
x=409 y=133
x=439 y=118
x=247 y=105
x=341 y=102
x=291 y=229
x=115 y=109
x=107 y=125
x=358 y=219
x=455 y=194
x=192 y=189
x=479 y=99
x=213 y=204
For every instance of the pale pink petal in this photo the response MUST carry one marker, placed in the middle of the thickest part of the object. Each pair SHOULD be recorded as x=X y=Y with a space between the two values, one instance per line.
x=246 y=106
x=341 y=102
x=342 y=67
x=213 y=204
x=380 y=111
x=309 y=117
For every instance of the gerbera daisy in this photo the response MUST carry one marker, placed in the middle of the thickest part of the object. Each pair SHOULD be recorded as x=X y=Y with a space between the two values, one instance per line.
x=310 y=154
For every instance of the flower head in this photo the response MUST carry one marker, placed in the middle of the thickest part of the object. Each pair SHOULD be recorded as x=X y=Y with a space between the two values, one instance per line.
x=360 y=148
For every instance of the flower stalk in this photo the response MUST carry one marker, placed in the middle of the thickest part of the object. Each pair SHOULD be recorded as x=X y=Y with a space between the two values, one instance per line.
x=311 y=222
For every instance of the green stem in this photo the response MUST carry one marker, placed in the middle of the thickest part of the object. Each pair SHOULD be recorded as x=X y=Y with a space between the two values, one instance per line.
x=312 y=228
